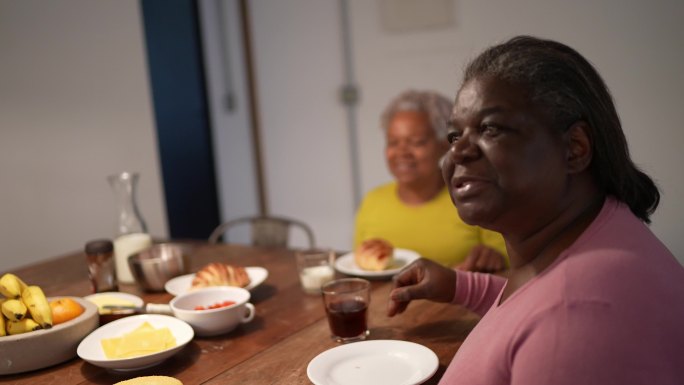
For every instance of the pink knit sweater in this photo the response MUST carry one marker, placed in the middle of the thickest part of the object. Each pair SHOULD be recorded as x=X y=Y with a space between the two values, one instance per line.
x=609 y=310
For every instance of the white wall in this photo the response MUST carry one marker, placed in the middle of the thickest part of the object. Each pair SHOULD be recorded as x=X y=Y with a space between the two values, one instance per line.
x=298 y=60
x=231 y=127
x=74 y=107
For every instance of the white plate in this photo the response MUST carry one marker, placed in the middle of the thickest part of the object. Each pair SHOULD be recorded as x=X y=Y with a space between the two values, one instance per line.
x=181 y=285
x=402 y=257
x=373 y=362
x=90 y=348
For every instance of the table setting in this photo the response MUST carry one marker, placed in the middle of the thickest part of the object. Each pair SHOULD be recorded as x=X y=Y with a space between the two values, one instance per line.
x=277 y=311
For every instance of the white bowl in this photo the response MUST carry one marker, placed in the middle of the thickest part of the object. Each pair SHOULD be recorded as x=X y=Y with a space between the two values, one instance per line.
x=90 y=349
x=42 y=348
x=213 y=322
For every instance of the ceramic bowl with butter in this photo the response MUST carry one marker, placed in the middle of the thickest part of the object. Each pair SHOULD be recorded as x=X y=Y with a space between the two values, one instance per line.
x=126 y=303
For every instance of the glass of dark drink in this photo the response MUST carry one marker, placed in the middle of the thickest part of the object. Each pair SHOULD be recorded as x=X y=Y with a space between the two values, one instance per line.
x=346 y=304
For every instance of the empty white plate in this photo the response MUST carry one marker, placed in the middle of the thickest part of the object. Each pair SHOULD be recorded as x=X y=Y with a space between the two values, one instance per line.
x=373 y=362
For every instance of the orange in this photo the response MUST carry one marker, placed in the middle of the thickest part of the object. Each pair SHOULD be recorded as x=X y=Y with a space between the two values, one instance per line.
x=65 y=309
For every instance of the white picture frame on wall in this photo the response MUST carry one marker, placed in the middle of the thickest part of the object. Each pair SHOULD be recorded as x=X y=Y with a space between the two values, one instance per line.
x=398 y=16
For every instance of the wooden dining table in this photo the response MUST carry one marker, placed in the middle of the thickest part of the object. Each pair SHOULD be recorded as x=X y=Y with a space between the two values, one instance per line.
x=290 y=327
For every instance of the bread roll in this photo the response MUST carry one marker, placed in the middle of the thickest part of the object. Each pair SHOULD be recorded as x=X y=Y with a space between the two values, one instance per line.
x=219 y=274
x=374 y=254
x=151 y=380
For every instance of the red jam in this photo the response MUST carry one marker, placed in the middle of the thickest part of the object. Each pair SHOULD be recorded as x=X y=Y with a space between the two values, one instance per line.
x=217 y=305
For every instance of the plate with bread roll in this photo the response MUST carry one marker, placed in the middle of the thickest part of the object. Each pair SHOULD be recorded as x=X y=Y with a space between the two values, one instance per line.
x=218 y=274
x=375 y=258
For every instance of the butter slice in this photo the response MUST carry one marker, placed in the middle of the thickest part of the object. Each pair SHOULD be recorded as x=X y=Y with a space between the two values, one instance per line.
x=105 y=300
x=144 y=340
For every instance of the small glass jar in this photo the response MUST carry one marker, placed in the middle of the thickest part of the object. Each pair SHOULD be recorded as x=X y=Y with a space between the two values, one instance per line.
x=101 y=268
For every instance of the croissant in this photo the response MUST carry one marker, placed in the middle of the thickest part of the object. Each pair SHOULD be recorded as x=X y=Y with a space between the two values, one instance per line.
x=219 y=274
x=374 y=254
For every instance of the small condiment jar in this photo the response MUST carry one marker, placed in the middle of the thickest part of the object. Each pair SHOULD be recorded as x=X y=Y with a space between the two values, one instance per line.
x=101 y=266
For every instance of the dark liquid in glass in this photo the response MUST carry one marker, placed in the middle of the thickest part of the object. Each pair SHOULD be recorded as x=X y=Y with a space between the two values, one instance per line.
x=347 y=318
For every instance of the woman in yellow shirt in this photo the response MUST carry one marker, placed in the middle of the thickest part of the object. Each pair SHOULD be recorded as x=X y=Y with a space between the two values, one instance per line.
x=415 y=211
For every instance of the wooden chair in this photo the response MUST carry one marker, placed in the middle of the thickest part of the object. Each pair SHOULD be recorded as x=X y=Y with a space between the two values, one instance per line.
x=266 y=231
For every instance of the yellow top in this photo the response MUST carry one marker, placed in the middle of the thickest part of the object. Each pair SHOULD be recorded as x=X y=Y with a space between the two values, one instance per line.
x=433 y=229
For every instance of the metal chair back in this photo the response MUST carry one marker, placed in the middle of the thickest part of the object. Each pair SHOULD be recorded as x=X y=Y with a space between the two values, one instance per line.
x=266 y=231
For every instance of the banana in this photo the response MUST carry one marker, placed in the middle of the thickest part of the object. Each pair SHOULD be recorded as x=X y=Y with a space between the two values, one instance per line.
x=3 y=321
x=24 y=326
x=38 y=306
x=11 y=286
x=3 y=331
x=14 y=309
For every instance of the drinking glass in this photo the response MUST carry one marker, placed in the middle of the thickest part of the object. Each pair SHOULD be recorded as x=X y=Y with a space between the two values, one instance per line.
x=315 y=269
x=346 y=305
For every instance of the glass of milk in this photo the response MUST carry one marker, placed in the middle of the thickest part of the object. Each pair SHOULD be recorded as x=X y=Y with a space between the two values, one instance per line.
x=315 y=269
x=125 y=246
x=132 y=231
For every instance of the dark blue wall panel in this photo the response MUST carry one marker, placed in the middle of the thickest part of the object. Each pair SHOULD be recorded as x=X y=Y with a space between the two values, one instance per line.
x=177 y=80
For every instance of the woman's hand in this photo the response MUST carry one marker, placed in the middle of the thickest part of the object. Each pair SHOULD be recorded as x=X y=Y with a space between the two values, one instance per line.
x=423 y=279
x=483 y=259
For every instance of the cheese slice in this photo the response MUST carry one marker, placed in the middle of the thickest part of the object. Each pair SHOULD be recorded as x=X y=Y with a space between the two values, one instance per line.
x=145 y=339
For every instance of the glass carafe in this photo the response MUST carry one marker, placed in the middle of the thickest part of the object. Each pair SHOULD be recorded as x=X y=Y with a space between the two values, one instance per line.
x=124 y=186
x=131 y=234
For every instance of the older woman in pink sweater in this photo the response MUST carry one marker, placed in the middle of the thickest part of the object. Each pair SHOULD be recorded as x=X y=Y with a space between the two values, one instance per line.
x=593 y=297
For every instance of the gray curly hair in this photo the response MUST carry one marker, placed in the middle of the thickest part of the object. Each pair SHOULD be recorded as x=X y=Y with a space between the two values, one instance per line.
x=436 y=106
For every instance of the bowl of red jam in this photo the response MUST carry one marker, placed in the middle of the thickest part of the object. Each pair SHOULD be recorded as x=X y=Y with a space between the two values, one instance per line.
x=215 y=310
